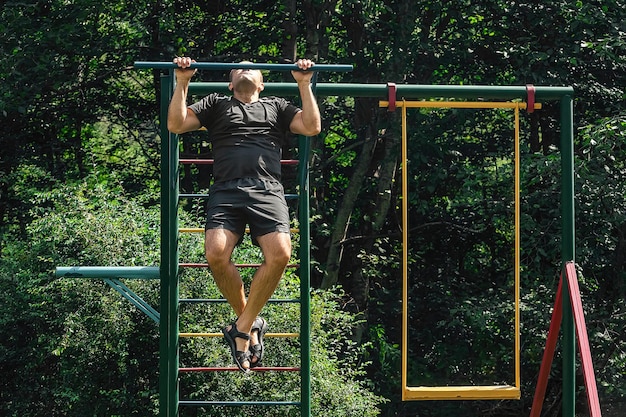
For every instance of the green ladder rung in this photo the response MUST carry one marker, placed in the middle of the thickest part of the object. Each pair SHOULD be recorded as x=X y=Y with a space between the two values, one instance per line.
x=188 y=161
x=235 y=369
x=223 y=300
x=204 y=196
x=193 y=403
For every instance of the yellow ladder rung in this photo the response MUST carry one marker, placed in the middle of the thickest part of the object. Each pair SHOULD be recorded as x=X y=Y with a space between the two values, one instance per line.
x=284 y=335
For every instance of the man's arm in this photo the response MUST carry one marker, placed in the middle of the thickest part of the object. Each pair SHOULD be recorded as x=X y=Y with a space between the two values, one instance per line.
x=180 y=118
x=307 y=122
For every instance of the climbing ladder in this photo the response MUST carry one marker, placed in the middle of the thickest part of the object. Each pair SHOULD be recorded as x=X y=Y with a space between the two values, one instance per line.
x=303 y=335
x=170 y=302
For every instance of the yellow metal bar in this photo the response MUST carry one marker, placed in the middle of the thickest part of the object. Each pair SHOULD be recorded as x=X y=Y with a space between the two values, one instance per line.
x=191 y=230
x=283 y=335
x=477 y=392
x=405 y=249
x=460 y=104
x=517 y=251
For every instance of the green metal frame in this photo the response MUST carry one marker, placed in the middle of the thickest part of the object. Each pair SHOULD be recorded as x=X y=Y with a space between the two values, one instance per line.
x=562 y=94
x=169 y=304
x=169 y=359
x=568 y=251
x=111 y=275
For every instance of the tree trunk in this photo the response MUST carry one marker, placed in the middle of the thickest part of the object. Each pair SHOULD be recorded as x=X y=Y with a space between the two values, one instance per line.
x=386 y=175
x=333 y=261
x=290 y=26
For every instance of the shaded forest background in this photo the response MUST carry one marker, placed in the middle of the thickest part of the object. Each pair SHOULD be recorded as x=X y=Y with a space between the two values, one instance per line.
x=79 y=185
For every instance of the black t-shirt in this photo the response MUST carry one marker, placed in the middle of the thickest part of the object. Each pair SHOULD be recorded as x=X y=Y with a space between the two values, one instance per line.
x=247 y=139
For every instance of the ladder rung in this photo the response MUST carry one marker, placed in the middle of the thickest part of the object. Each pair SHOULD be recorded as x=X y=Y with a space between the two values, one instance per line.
x=211 y=334
x=202 y=230
x=187 y=161
x=190 y=195
x=234 y=368
x=223 y=300
x=193 y=403
x=205 y=265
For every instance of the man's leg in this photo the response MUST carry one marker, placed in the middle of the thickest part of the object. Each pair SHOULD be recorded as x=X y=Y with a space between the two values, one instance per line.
x=218 y=246
x=276 y=247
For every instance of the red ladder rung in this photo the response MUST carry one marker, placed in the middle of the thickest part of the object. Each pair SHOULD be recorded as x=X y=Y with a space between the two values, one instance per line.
x=205 y=265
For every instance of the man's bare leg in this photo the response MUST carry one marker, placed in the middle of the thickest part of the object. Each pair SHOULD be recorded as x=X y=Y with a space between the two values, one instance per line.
x=218 y=246
x=276 y=249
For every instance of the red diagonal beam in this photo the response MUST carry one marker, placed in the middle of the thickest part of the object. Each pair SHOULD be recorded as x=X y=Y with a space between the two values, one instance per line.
x=583 y=341
x=548 y=353
x=593 y=401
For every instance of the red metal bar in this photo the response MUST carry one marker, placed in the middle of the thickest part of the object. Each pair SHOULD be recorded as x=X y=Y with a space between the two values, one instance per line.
x=391 y=87
x=548 y=353
x=530 y=98
x=593 y=401
x=205 y=265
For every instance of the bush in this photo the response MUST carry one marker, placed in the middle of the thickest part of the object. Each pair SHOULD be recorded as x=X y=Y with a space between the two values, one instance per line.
x=75 y=347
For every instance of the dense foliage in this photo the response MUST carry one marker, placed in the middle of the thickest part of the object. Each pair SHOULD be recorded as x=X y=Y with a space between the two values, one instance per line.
x=79 y=185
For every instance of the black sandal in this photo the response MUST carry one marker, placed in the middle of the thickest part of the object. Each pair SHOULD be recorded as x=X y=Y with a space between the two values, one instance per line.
x=256 y=351
x=239 y=356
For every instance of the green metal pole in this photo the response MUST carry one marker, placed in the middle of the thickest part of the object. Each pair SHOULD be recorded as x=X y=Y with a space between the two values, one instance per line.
x=173 y=274
x=568 y=252
x=164 y=313
x=408 y=91
x=168 y=361
x=100 y=272
x=305 y=279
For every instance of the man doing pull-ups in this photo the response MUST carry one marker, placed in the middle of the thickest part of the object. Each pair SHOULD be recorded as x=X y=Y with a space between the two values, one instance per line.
x=247 y=134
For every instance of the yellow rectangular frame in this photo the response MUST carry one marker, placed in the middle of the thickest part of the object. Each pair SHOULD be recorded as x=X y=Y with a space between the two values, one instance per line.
x=476 y=392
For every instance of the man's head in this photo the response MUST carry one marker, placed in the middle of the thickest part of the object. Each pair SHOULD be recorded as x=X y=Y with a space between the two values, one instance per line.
x=246 y=81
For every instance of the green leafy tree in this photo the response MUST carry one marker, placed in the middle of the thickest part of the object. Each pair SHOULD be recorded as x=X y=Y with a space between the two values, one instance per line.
x=73 y=110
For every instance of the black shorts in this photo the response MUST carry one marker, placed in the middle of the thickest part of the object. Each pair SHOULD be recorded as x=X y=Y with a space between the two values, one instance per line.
x=258 y=203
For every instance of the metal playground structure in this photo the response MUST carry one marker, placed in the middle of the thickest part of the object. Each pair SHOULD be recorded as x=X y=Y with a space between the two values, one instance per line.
x=568 y=308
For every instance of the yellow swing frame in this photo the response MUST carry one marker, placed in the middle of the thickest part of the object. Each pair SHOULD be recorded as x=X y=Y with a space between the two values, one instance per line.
x=474 y=392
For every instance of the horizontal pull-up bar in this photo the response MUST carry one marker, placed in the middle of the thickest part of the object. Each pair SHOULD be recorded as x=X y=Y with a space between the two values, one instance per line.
x=407 y=91
x=240 y=65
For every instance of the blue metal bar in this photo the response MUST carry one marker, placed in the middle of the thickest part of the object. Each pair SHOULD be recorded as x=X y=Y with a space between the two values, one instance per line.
x=102 y=272
x=131 y=296
x=224 y=66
